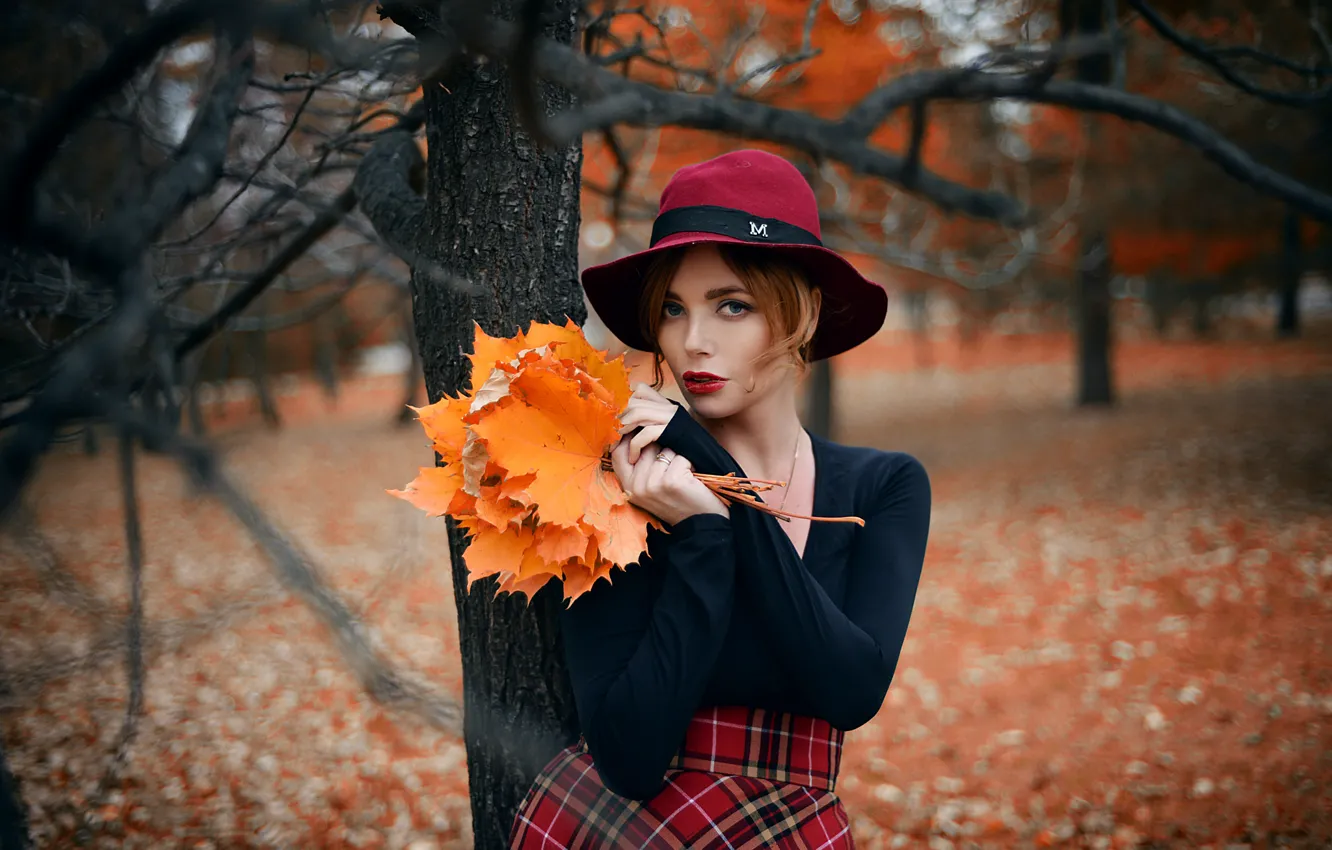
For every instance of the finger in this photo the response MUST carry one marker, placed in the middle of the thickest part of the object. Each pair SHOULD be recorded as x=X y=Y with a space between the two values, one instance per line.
x=624 y=469
x=657 y=472
x=645 y=437
x=633 y=419
x=639 y=441
x=640 y=476
x=641 y=417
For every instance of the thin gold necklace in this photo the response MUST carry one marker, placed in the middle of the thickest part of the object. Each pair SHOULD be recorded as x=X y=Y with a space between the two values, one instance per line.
x=790 y=478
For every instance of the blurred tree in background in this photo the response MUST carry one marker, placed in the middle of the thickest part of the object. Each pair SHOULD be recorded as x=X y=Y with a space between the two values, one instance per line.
x=187 y=182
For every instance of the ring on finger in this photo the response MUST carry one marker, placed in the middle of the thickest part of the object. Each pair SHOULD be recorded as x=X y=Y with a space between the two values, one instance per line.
x=663 y=458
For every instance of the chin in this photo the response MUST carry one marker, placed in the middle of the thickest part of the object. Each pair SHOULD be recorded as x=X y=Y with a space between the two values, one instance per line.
x=718 y=405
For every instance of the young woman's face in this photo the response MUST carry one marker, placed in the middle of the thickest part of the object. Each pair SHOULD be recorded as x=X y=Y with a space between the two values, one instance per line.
x=711 y=331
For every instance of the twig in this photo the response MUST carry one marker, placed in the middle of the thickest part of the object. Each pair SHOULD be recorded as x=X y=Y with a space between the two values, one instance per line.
x=1214 y=58
x=134 y=668
x=298 y=573
x=610 y=99
x=732 y=489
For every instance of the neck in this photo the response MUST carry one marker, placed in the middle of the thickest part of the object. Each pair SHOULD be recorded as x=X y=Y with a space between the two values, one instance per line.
x=763 y=436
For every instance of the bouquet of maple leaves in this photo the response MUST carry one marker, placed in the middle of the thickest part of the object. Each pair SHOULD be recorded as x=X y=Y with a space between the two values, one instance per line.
x=524 y=464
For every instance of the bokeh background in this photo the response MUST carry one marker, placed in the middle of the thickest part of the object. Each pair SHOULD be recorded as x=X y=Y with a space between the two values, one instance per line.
x=1121 y=637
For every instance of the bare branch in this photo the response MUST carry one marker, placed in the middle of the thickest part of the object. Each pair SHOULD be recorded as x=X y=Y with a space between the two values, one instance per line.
x=56 y=580
x=526 y=90
x=298 y=246
x=299 y=574
x=969 y=84
x=384 y=185
x=1232 y=159
x=1214 y=58
x=65 y=396
x=614 y=100
x=18 y=185
x=919 y=120
x=134 y=667
x=1316 y=24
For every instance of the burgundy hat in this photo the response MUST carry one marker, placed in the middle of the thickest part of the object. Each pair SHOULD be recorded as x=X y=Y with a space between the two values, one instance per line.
x=747 y=197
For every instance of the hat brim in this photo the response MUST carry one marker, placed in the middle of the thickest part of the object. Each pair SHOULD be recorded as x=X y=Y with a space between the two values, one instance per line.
x=853 y=307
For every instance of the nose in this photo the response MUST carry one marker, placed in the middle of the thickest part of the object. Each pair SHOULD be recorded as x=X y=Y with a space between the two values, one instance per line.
x=698 y=339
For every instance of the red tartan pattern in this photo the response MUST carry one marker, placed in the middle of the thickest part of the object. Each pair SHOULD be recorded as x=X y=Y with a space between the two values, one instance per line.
x=744 y=779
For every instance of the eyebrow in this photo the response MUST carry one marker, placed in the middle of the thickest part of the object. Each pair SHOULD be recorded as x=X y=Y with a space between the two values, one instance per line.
x=715 y=293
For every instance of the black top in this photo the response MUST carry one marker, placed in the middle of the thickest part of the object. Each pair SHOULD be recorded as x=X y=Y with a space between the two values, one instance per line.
x=724 y=612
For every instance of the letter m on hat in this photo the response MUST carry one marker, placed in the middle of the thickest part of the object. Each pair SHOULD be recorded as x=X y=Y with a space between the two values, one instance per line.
x=756 y=229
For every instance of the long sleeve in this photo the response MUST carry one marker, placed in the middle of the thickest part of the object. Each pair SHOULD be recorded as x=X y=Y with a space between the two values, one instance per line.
x=841 y=660
x=640 y=651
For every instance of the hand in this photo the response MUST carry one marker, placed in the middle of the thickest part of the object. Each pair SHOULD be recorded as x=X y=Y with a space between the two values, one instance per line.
x=665 y=488
x=649 y=411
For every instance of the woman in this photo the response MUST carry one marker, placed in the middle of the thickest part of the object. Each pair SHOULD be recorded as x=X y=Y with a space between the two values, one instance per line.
x=715 y=678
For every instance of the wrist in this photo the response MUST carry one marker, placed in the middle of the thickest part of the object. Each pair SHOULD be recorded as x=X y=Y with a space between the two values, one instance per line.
x=702 y=521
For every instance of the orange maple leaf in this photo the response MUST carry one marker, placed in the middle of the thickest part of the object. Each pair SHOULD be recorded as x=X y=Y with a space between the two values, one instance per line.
x=573 y=346
x=443 y=424
x=494 y=551
x=522 y=463
x=560 y=435
x=497 y=504
x=434 y=489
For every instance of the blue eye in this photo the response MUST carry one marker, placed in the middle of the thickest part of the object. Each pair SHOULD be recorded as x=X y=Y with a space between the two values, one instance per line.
x=744 y=308
x=668 y=309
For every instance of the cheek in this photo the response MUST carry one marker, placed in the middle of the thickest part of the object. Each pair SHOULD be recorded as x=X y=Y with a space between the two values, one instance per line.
x=750 y=338
x=670 y=339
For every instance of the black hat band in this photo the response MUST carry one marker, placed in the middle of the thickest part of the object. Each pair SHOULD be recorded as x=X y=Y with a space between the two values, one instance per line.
x=726 y=221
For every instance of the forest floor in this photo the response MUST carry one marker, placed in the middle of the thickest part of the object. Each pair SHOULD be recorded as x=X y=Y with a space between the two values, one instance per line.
x=1121 y=637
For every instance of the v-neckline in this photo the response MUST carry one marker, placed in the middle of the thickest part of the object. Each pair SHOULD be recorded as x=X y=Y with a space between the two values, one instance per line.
x=815 y=504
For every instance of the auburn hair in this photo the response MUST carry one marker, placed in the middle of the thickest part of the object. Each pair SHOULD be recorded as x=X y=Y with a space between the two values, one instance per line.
x=785 y=297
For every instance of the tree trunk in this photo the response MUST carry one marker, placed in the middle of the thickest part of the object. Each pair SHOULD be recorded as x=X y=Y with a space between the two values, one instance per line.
x=1095 y=380
x=1086 y=19
x=13 y=819
x=1160 y=297
x=502 y=213
x=818 y=406
x=1202 y=311
x=1288 y=312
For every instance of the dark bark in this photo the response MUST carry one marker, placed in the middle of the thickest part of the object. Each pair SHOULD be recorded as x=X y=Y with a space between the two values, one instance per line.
x=13 y=817
x=503 y=214
x=1161 y=300
x=1288 y=311
x=919 y=311
x=1202 y=312
x=263 y=386
x=1095 y=378
x=818 y=407
x=1087 y=18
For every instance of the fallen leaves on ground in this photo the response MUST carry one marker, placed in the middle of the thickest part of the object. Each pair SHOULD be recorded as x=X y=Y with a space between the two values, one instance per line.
x=1120 y=639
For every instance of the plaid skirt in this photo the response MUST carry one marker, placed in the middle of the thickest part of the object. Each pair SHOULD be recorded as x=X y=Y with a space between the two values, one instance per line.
x=745 y=779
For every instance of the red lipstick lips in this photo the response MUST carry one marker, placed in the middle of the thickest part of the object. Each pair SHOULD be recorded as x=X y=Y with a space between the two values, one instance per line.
x=702 y=383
